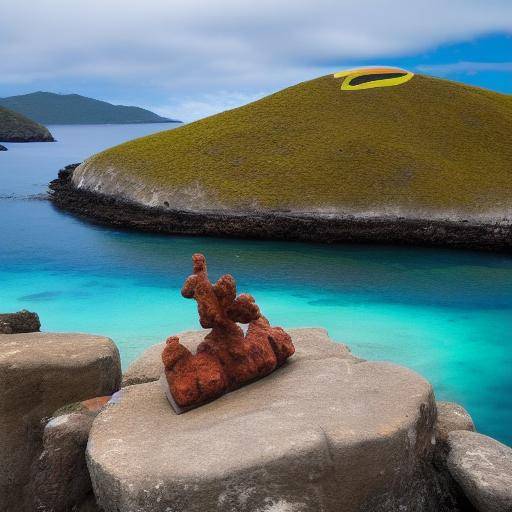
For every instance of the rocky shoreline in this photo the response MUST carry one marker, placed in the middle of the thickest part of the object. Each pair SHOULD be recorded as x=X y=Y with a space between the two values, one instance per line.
x=344 y=432
x=107 y=210
x=27 y=137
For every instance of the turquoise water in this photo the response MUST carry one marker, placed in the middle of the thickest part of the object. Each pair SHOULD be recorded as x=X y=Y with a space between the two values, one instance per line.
x=447 y=314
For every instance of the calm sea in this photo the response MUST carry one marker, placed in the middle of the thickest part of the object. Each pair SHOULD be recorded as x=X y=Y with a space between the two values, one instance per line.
x=446 y=314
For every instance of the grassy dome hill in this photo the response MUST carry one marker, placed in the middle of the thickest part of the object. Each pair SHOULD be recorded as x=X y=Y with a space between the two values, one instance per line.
x=17 y=128
x=426 y=147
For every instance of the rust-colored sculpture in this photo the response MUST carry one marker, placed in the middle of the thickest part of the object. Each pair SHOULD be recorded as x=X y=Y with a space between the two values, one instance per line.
x=227 y=358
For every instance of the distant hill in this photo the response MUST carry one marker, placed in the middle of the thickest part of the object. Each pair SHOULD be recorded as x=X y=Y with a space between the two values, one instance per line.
x=51 y=108
x=17 y=128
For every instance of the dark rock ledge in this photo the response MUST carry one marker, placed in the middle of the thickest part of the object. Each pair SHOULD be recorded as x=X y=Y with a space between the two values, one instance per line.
x=117 y=213
x=20 y=322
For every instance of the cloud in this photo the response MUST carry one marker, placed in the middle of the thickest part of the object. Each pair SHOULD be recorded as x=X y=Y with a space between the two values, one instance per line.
x=161 y=50
x=204 y=104
x=465 y=67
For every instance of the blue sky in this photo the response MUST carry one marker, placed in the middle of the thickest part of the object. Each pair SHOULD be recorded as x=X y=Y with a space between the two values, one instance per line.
x=191 y=59
x=484 y=61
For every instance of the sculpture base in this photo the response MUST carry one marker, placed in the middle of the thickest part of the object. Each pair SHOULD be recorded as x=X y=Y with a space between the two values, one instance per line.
x=177 y=408
x=180 y=410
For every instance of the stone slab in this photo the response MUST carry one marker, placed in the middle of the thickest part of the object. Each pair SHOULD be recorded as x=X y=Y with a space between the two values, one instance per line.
x=482 y=467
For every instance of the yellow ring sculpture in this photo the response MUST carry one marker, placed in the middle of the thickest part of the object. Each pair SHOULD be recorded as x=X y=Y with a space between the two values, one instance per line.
x=368 y=78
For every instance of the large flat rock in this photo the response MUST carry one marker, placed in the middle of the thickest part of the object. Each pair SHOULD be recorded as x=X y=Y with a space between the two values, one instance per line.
x=39 y=373
x=323 y=433
x=311 y=342
x=482 y=467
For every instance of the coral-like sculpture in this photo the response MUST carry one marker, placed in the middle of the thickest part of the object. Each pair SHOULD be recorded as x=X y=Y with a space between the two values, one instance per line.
x=227 y=358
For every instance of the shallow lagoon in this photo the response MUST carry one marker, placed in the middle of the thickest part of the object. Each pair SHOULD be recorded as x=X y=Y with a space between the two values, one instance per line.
x=447 y=314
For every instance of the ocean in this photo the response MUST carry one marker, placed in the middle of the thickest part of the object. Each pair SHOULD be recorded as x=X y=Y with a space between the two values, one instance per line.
x=445 y=313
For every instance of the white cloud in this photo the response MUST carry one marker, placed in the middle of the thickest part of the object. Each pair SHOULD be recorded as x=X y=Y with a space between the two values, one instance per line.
x=191 y=49
x=191 y=108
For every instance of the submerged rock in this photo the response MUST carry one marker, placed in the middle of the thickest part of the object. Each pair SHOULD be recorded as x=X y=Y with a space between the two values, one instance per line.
x=39 y=373
x=483 y=468
x=23 y=321
x=324 y=432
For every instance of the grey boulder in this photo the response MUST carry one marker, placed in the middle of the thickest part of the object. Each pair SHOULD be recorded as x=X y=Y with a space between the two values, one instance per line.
x=482 y=467
x=451 y=417
x=39 y=373
x=323 y=433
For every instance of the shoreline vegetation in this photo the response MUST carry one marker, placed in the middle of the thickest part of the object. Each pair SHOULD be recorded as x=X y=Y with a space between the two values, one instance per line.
x=118 y=213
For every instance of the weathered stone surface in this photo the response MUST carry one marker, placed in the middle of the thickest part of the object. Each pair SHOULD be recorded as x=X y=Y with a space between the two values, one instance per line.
x=313 y=342
x=23 y=321
x=323 y=433
x=39 y=373
x=60 y=479
x=148 y=366
x=450 y=417
x=483 y=468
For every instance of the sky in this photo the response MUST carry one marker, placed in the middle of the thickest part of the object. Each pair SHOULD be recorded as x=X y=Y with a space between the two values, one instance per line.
x=189 y=59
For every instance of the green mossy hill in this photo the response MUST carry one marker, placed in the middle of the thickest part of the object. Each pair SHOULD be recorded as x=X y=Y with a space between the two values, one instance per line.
x=429 y=145
x=17 y=128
